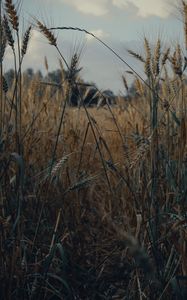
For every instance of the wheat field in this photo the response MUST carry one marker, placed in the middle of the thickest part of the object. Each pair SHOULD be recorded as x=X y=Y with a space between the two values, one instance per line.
x=93 y=200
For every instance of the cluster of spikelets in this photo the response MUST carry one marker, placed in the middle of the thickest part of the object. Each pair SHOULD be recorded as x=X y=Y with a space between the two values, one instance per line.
x=10 y=23
x=155 y=61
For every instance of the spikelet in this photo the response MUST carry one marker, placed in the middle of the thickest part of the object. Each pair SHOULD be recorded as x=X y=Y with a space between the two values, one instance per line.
x=25 y=41
x=125 y=83
x=12 y=14
x=3 y=44
x=4 y=85
x=58 y=166
x=173 y=58
x=179 y=58
x=176 y=62
x=47 y=33
x=74 y=62
x=130 y=72
x=82 y=183
x=46 y=64
x=156 y=59
x=73 y=70
x=143 y=147
x=147 y=66
x=165 y=56
x=174 y=87
x=139 y=87
x=8 y=32
x=136 y=55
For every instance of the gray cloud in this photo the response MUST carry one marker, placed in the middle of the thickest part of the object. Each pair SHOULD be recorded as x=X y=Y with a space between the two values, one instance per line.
x=93 y=7
x=145 y=8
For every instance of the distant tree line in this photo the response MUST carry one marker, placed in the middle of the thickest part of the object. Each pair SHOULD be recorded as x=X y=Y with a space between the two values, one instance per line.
x=79 y=90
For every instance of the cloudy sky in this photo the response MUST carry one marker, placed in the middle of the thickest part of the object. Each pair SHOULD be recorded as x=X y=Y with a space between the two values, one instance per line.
x=120 y=23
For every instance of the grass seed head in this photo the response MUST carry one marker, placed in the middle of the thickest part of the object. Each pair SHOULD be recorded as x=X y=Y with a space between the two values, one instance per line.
x=8 y=32
x=47 y=33
x=26 y=41
x=156 y=59
x=12 y=14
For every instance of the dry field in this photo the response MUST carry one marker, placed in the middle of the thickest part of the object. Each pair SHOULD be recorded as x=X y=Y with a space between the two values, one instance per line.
x=93 y=201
